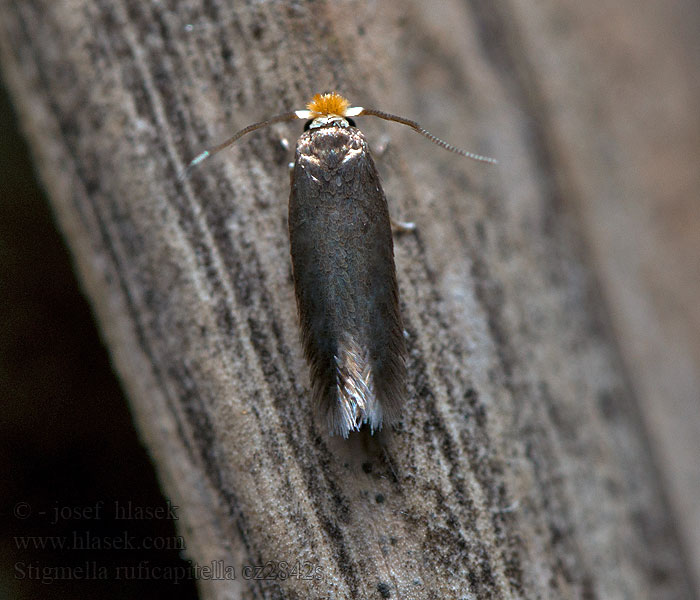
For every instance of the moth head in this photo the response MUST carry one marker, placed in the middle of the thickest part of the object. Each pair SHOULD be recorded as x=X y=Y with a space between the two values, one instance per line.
x=329 y=109
x=328 y=104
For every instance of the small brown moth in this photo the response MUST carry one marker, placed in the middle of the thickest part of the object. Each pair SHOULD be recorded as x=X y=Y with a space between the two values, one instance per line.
x=343 y=264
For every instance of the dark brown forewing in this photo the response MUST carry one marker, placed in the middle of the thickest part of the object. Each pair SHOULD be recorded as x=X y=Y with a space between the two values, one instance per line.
x=345 y=279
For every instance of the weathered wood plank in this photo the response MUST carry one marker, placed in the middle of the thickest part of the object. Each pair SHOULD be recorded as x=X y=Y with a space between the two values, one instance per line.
x=520 y=468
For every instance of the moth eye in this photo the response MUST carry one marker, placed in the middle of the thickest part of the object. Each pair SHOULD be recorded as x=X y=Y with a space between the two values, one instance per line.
x=351 y=122
x=308 y=124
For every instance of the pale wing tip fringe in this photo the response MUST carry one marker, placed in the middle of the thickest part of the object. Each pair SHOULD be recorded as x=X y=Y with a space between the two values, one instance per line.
x=355 y=399
x=354 y=402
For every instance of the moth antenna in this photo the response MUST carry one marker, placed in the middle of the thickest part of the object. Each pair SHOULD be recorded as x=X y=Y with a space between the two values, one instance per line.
x=433 y=138
x=209 y=152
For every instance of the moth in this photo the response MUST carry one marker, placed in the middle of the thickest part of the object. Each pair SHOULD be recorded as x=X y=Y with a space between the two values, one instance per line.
x=342 y=254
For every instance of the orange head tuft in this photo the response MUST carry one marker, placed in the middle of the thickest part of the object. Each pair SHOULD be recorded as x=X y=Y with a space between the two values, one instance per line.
x=328 y=104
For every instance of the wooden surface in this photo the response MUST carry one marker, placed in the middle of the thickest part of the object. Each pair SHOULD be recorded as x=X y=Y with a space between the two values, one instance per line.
x=523 y=465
